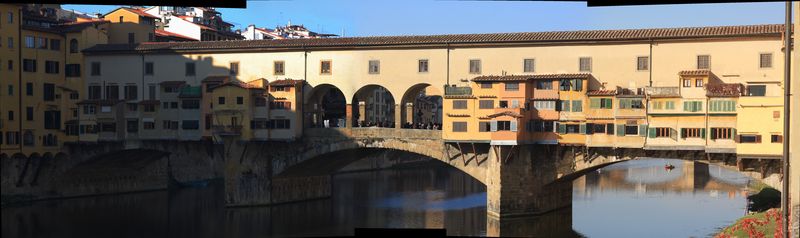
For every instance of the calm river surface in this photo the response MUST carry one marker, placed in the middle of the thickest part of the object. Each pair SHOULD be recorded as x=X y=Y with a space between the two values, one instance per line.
x=630 y=199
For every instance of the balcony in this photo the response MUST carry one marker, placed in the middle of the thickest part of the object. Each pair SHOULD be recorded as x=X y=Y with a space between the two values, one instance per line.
x=663 y=91
x=227 y=130
x=457 y=91
x=725 y=90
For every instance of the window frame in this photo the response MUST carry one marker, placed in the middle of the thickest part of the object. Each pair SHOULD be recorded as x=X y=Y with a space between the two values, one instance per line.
x=477 y=69
x=529 y=65
x=642 y=65
x=420 y=67
x=588 y=64
x=282 y=67
x=707 y=63
x=322 y=69
x=761 y=60
x=374 y=64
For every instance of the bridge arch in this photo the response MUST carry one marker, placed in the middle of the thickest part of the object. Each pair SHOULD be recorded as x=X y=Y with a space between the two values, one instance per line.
x=421 y=103
x=325 y=102
x=373 y=104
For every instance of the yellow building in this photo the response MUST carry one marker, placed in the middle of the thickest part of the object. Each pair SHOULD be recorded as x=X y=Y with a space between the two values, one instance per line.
x=542 y=110
x=759 y=124
x=239 y=110
x=10 y=122
x=572 y=102
x=131 y=25
x=600 y=130
x=630 y=118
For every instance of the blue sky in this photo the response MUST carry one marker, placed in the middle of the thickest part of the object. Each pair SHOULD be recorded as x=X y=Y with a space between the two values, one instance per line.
x=425 y=17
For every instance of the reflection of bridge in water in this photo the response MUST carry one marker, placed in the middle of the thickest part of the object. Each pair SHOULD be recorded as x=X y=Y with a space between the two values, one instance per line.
x=687 y=176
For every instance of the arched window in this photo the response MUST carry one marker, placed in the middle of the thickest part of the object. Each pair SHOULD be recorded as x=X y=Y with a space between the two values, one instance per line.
x=73 y=46
x=27 y=138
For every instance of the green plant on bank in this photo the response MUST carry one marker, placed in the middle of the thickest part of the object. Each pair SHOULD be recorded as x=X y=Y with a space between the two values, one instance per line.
x=760 y=225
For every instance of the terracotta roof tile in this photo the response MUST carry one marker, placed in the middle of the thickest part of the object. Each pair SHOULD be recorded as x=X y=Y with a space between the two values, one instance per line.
x=491 y=78
x=602 y=93
x=699 y=72
x=163 y=33
x=286 y=82
x=773 y=30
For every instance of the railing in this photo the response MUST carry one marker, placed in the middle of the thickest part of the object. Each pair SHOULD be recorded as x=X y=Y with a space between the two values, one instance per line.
x=663 y=91
x=227 y=129
x=725 y=90
x=457 y=91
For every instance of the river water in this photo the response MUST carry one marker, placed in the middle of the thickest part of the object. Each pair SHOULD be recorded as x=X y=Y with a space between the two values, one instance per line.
x=630 y=199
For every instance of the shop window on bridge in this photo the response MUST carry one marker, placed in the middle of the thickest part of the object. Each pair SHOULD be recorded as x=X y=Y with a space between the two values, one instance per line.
x=149 y=108
x=486 y=84
x=239 y=100
x=71 y=129
x=631 y=129
x=279 y=89
x=722 y=106
x=776 y=138
x=282 y=124
x=544 y=105
x=721 y=133
x=629 y=103
x=601 y=103
x=506 y=126
x=577 y=105
x=541 y=126
x=50 y=140
x=663 y=132
x=592 y=128
x=692 y=106
x=563 y=106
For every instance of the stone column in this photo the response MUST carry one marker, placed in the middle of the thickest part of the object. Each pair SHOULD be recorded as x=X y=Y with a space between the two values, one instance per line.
x=348 y=115
x=398 y=119
x=409 y=116
x=362 y=111
x=519 y=185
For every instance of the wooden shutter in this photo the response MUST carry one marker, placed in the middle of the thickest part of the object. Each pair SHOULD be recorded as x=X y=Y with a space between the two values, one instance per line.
x=652 y=132
x=642 y=130
x=513 y=125
x=609 y=103
x=562 y=129
x=714 y=132
x=589 y=128
x=686 y=106
x=673 y=134
x=579 y=85
x=758 y=138
x=610 y=129
x=494 y=125
x=621 y=130
x=703 y=133
x=582 y=129
x=594 y=102
x=780 y=139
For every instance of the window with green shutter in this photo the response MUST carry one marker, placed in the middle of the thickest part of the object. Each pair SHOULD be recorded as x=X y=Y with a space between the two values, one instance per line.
x=651 y=132
x=582 y=129
x=565 y=105
x=642 y=130
x=606 y=103
x=594 y=103
x=562 y=129
x=670 y=105
x=624 y=103
x=620 y=130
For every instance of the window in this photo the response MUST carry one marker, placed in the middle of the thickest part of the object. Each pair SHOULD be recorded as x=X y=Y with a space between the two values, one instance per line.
x=422 y=66
x=74 y=96
x=30 y=42
x=105 y=109
x=12 y=138
x=631 y=129
x=131 y=37
x=749 y=138
x=687 y=83
x=756 y=90
x=698 y=83
x=544 y=105
x=149 y=125
x=41 y=43
x=692 y=106
x=234 y=68
x=189 y=69
x=10 y=115
x=503 y=104
x=603 y=103
x=486 y=84
x=643 y=63
x=278 y=67
x=569 y=129
x=571 y=84
x=663 y=132
x=10 y=42
x=149 y=108
x=577 y=106
x=595 y=128
x=174 y=105
x=131 y=92
x=693 y=132
x=55 y=44
x=563 y=106
x=503 y=125
x=29 y=89
x=120 y=19
x=528 y=65
x=260 y=102
x=73 y=70
x=112 y=92
x=512 y=86
x=765 y=60
x=148 y=68
x=10 y=65
x=484 y=126
x=49 y=91
x=703 y=62
x=374 y=67
x=52 y=120
x=51 y=67
x=722 y=106
x=544 y=84
x=486 y=104
x=628 y=103
x=459 y=104
x=541 y=126
x=190 y=124
x=169 y=125
x=280 y=105
x=29 y=113
x=670 y=105
x=94 y=92
x=89 y=109
x=10 y=17
x=281 y=124
x=459 y=126
x=258 y=123
x=325 y=67
x=28 y=65
x=132 y=126
x=95 y=68
x=10 y=90
x=475 y=66
x=132 y=107
x=239 y=100
x=585 y=64
x=776 y=138
x=721 y=133
x=73 y=46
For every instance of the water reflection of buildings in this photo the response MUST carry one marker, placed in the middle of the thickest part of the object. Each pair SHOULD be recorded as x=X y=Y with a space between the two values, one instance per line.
x=686 y=177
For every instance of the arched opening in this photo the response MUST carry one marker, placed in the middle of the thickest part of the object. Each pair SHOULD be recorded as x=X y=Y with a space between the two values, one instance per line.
x=326 y=107
x=27 y=138
x=421 y=107
x=373 y=105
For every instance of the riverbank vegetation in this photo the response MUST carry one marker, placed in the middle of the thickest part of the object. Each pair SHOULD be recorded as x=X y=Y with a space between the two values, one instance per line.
x=764 y=219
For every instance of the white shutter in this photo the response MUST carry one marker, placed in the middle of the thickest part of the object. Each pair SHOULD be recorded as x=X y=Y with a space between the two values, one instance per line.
x=494 y=126
x=514 y=125
x=514 y=103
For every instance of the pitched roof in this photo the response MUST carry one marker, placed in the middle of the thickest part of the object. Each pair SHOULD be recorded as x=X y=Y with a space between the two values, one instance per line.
x=139 y=12
x=699 y=72
x=163 y=33
x=602 y=93
x=79 y=26
x=285 y=82
x=505 y=113
x=772 y=30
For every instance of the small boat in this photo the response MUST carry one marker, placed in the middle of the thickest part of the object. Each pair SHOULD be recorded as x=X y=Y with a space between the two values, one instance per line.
x=669 y=167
